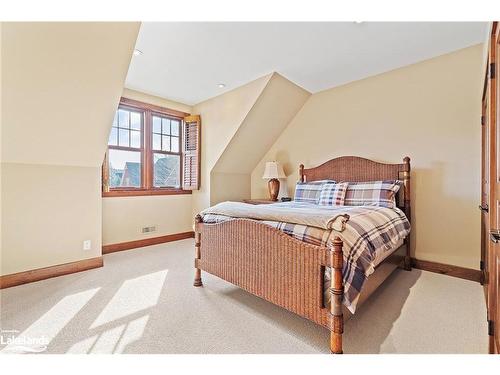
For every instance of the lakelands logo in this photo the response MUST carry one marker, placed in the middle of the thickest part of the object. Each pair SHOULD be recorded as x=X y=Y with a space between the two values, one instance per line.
x=12 y=342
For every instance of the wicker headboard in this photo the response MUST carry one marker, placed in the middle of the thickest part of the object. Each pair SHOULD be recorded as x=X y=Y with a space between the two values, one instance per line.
x=356 y=169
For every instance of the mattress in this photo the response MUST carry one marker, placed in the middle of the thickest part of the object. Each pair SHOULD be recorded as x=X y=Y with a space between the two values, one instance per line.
x=370 y=234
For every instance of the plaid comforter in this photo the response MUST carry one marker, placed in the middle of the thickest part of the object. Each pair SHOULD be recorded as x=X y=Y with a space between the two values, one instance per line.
x=369 y=233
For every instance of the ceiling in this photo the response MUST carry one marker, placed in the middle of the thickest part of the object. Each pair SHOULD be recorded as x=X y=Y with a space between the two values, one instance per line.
x=185 y=62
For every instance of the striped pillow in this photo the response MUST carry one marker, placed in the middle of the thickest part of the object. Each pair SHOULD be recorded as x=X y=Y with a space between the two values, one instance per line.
x=309 y=192
x=333 y=194
x=374 y=193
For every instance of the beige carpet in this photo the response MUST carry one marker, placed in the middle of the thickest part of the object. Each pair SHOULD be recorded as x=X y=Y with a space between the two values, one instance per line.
x=143 y=301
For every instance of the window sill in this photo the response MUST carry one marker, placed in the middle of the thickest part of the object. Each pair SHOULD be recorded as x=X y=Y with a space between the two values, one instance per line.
x=139 y=192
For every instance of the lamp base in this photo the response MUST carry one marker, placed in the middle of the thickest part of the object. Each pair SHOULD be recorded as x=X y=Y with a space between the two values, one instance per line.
x=274 y=188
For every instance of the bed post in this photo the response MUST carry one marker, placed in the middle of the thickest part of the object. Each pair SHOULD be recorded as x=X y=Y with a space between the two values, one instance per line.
x=301 y=173
x=407 y=207
x=197 y=245
x=337 y=292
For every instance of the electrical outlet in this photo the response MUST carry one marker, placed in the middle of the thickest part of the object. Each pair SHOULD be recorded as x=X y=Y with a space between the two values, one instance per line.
x=87 y=245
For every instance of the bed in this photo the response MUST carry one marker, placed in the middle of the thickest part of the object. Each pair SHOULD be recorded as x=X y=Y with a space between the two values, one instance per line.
x=319 y=279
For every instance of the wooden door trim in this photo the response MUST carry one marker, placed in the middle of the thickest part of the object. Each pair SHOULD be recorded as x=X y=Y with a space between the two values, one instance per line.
x=484 y=199
x=493 y=249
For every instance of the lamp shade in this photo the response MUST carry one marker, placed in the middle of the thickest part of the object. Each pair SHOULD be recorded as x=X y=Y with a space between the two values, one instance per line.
x=273 y=170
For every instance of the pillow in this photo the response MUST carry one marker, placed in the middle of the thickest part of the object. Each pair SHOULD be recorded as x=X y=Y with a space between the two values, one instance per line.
x=374 y=193
x=309 y=192
x=333 y=194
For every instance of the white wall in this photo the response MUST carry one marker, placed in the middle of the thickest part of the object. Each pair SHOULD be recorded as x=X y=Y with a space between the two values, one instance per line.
x=429 y=111
x=124 y=217
x=48 y=211
x=238 y=127
x=220 y=119
x=61 y=83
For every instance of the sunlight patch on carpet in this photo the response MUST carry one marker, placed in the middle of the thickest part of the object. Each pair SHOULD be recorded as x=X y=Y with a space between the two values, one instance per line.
x=38 y=335
x=133 y=296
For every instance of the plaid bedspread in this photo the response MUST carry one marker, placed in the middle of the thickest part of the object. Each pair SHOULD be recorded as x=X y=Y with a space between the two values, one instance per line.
x=370 y=232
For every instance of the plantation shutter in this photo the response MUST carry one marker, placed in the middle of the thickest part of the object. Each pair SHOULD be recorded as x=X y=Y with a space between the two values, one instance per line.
x=191 y=153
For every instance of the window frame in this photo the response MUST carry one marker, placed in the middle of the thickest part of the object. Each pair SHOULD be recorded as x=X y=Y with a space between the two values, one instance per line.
x=147 y=152
x=141 y=149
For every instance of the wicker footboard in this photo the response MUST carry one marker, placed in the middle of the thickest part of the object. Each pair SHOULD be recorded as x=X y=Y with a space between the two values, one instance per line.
x=274 y=266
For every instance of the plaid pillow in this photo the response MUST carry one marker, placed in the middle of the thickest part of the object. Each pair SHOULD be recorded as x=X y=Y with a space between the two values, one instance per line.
x=333 y=194
x=375 y=193
x=309 y=192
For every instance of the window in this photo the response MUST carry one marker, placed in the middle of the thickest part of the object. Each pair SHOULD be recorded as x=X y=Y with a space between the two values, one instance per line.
x=145 y=154
x=166 y=151
x=125 y=149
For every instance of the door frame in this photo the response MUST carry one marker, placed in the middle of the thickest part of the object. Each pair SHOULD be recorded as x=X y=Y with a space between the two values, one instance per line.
x=492 y=254
x=484 y=200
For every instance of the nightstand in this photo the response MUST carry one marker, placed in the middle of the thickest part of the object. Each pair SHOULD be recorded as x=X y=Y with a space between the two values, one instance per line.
x=259 y=201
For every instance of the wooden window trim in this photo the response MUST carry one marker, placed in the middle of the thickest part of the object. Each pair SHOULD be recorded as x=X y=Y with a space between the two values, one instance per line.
x=153 y=108
x=143 y=192
x=147 y=152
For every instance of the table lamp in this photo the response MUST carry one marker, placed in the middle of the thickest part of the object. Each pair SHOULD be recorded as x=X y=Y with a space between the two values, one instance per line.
x=273 y=172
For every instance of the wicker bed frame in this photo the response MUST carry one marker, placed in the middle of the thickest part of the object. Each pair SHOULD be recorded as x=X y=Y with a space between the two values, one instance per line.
x=290 y=273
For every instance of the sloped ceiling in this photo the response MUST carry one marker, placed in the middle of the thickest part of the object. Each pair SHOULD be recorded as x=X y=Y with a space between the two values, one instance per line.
x=58 y=107
x=273 y=110
x=186 y=61
x=221 y=118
